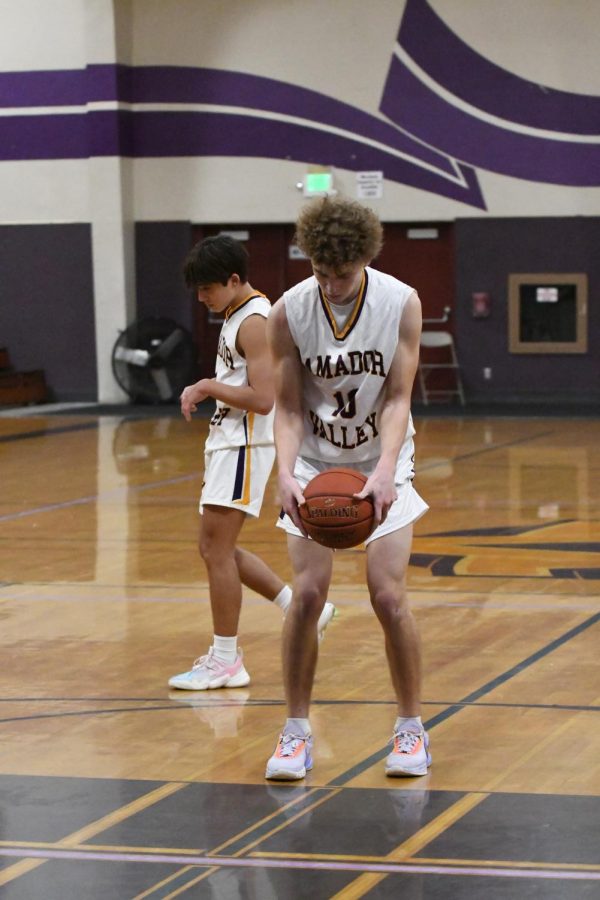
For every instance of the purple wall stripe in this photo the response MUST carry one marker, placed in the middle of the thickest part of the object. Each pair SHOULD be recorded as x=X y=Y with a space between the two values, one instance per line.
x=468 y=75
x=53 y=88
x=415 y=107
x=43 y=137
x=65 y=87
x=166 y=84
x=221 y=134
x=180 y=84
x=71 y=136
x=127 y=133
x=112 y=133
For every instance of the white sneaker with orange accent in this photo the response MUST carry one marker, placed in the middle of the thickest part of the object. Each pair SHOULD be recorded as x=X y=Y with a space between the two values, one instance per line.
x=292 y=758
x=410 y=755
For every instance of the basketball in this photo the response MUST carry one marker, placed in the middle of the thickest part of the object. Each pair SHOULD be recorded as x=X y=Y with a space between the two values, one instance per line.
x=332 y=516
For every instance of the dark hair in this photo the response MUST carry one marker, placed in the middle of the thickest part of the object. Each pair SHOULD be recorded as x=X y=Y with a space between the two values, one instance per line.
x=335 y=231
x=214 y=260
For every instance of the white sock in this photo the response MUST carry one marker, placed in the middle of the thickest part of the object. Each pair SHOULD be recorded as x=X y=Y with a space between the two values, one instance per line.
x=225 y=648
x=297 y=727
x=409 y=723
x=283 y=598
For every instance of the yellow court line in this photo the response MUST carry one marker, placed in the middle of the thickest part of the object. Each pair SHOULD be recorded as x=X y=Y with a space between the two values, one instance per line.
x=106 y=848
x=119 y=815
x=525 y=757
x=118 y=848
x=364 y=883
x=37 y=845
x=189 y=884
x=246 y=831
x=21 y=868
x=72 y=840
x=506 y=864
x=318 y=857
x=299 y=814
x=268 y=818
x=162 y=883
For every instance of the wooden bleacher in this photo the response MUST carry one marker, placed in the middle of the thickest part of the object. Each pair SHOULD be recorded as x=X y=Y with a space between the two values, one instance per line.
x=20 y=388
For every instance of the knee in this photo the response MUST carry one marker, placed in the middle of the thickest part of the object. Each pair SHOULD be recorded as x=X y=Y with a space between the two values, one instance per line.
x=391 y=606
x=212 y=551
x=308 y=601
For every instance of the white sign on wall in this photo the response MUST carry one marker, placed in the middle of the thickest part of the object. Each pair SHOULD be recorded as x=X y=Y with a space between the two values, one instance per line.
x=369 y=185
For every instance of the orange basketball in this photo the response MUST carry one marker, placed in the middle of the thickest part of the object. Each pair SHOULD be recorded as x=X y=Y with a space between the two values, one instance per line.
x=332 y=516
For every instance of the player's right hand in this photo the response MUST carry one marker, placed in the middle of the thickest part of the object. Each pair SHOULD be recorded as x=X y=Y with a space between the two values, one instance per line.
x=291 y=498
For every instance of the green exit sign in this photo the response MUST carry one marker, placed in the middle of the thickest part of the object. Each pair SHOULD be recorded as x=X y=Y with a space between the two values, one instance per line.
x=318 y=183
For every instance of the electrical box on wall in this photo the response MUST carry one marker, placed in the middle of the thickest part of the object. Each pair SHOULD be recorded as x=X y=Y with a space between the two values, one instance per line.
x=481 y=305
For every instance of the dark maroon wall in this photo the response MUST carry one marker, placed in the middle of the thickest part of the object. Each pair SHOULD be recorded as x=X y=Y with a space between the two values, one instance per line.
x=487 y=251
x=47 y=305
x=161 y=248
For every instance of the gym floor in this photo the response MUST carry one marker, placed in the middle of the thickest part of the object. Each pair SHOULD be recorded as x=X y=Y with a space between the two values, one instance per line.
x=112 y=785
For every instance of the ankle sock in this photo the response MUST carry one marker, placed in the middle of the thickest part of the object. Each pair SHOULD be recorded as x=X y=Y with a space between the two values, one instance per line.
x=297 y=727
x=409 y=723
x=283 y=598
x=225 y=648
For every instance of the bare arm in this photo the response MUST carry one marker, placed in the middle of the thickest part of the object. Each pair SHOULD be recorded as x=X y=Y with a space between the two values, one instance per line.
x=258 y=395
x=396 y=409
x=288 y=426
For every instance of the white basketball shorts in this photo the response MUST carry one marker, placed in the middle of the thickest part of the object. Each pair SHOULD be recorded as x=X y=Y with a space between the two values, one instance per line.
x=237 y=477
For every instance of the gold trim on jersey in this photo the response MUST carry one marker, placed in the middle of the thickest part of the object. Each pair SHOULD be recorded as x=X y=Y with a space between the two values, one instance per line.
x=233 y=309
x=244 y=500
x=340 y=334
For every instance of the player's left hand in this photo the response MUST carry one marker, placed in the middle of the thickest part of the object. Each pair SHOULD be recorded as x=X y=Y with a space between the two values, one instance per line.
x=382 y=490
x=190 y=397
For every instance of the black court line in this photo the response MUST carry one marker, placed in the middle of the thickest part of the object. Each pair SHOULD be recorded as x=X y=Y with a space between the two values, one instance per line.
x=498 y=531
x=94 y=498
x=102 y=542
x=568 y=546
x=47 y=432
x=182 y=705
x=434 y=589
x=361 y=767
x=492 y=448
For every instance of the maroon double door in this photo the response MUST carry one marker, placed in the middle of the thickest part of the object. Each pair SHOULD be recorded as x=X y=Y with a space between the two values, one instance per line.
x=425 y=263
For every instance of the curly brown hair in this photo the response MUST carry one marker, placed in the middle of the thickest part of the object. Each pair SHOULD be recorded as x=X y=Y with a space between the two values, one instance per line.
x=336 y=232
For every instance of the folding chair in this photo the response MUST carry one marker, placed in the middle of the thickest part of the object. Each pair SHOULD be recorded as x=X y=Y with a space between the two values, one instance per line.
x=437 y=341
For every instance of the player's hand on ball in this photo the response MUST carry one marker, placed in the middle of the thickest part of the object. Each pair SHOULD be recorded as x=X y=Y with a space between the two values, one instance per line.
x=382 y=491
x=291 y=498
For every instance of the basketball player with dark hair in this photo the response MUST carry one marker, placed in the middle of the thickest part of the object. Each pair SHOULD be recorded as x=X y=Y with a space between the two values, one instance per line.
x=238 y=458
x=345 y=344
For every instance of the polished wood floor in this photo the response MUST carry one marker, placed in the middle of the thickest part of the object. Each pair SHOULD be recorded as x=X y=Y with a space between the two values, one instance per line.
x=114 y=786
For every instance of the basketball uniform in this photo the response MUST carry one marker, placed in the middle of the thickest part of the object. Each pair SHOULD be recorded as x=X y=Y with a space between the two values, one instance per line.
x=239 y=450
x=346 y=353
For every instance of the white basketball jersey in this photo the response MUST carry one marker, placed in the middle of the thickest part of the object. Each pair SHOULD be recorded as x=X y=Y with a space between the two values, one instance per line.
x=231 y=427
x=345 y=365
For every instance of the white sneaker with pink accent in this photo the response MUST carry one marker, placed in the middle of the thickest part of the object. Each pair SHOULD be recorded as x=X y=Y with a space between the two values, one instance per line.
x=209 y=672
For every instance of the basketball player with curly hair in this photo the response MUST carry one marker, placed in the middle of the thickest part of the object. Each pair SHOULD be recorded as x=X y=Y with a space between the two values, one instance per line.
x=345 y=345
